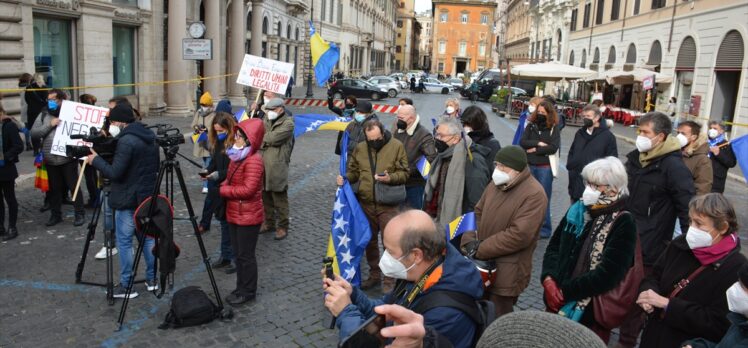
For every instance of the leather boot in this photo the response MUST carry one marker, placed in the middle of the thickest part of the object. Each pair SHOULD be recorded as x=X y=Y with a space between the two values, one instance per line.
x=373 y=280
x=281 y=233
x=12 y=233
x=80 y=219
x=54 y=219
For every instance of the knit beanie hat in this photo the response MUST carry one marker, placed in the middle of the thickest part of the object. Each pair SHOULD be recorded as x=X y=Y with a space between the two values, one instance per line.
x=532 y=329
x=122 y=113
x=206 y=99
x=224 y=106
x=513 y=157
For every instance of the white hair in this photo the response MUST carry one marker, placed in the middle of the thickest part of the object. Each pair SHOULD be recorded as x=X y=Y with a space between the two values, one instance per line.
x=453 y=126
x=607 y=171
x=454 y=101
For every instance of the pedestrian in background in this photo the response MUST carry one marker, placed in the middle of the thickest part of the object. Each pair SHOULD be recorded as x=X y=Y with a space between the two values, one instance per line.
x=363 y=111
x=242 y=194
x=532 y=105
x=695 y=155
x=475 y=124
x=23 y=82
x=418 y=142
x=709 y=257
x=210 y=200
x=508 y=217
x=593 y=247
x=12 y=147
x=592 y=141
x=721 y=155
x=36 y=101
x=452 y=108
x=540 y=140
x=276 y=148
x=202 y=119
x=289 y=88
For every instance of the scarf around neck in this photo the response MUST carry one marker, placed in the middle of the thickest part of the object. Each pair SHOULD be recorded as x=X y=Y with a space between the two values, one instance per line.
x=714 y=142
x=670 y=144
x=450 y=200
x=713 y=253
x=236 y=154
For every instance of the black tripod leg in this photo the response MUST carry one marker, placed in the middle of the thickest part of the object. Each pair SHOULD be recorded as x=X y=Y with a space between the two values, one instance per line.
x=193 y=220
x=89 y=238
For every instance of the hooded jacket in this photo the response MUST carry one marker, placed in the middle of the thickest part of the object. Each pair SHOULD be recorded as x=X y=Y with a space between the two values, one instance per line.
x=659 y=193
x=277 y=145
x=457 y=274
x=134 y=169
x=485 y=138
x=391 y=158
x=587 y=148
x=509 y=230
x=695 y=156
x=242 y=189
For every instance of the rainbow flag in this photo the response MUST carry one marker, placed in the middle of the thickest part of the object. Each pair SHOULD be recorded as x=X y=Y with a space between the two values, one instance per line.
x=324 y=56
x=424 y=167
x=460 y=225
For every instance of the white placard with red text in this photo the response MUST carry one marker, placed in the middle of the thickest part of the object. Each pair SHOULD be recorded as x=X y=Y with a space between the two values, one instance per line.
x=76 y=118
x=270 y=75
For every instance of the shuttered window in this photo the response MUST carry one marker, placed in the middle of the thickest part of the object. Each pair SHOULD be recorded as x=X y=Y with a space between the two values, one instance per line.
x=612 y=55
x=571 y=58
x=731 y=50
x=584 y=58
x=596 y=57
x=686 y=60
x=655 y=54
x=631 y=54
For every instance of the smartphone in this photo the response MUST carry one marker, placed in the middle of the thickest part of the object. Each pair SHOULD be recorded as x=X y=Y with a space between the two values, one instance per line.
x=381 y=174
x=329 y=273
x=203 y=174
x=367 y=335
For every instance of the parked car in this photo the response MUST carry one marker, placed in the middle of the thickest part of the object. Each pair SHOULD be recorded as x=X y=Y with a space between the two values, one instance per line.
x=433 y=85
x=358 y=88
x=517 y=92
x=392 y=86
x=456 y=83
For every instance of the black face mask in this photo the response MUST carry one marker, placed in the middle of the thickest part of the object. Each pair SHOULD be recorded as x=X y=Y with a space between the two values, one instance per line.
x=349 y=106
x=376 y=144
x=402 y=124
x=539 y=119
x=587 y=123
x=440 y=145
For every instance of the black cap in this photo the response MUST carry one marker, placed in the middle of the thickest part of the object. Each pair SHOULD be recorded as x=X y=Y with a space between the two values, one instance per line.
x=122 y=113
x=364 y=106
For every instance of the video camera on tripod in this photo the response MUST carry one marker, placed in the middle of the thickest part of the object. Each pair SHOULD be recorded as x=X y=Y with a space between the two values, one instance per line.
x=167 y=135
x=104 y=145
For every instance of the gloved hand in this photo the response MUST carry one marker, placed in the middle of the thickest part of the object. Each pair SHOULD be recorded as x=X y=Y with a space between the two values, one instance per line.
x=554 y=298
x=470 y=248
x=212 y=176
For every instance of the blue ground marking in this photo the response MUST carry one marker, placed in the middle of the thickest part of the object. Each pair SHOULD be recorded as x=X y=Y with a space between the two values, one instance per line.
x=41 y=285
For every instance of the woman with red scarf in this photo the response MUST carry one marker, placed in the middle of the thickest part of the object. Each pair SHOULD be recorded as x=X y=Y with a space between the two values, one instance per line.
x=684 y=295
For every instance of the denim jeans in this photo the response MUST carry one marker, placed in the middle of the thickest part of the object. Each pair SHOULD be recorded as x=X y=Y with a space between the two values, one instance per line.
x=226 y=252
x=414 y=197
x=125 y=231
x=544 y=176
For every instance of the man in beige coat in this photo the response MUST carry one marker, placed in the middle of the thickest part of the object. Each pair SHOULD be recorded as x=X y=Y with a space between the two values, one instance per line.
x=696 y=156
x=276 y=147
x=508 y=233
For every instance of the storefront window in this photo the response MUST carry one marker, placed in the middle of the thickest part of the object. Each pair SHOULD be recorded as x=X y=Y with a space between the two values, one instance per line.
x=52 y=51
x=123 y=60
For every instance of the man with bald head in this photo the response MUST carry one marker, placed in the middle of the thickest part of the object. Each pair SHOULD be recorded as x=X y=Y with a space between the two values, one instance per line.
x=418 y=256
x=418 y=142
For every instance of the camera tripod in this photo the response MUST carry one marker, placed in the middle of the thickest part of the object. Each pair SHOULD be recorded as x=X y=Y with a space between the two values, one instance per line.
x=166 y=171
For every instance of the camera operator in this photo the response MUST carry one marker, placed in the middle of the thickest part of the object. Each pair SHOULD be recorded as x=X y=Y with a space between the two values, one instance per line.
x=133 y=172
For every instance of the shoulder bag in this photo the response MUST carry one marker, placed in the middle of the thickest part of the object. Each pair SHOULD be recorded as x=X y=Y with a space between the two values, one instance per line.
x=383 y=193
x=553 y=159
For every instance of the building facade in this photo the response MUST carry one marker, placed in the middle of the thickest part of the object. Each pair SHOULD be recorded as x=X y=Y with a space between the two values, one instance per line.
x=463 y=36
x=406 y=43
x=549 y=29
x=425 y=40
x=517 y=39
x=700 y=43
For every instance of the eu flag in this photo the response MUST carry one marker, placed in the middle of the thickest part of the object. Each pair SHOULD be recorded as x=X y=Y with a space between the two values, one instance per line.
x=350 y=229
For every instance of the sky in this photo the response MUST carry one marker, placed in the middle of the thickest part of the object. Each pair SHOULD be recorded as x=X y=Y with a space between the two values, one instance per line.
x=423 y=5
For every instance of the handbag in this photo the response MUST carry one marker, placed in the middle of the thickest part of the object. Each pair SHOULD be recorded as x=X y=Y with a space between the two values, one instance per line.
x=612 y=307
x=553 y=159
x=383 y=193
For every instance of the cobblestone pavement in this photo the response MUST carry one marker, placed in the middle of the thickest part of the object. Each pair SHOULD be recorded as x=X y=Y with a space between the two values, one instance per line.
x=42 y=305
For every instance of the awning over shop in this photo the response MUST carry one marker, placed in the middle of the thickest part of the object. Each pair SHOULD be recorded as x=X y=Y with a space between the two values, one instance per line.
x=550 y=71
x=621 y=77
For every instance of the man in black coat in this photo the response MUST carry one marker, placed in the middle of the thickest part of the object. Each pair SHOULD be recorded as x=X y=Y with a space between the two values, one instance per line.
x=721 y=154
x=133 y=171
x=591 y=142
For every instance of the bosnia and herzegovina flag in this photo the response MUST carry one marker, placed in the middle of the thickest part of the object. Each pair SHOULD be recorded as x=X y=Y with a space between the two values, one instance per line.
x=311 y=122
x=324 y=56
x=350 y=229
x=424 y=167
x=460 y=225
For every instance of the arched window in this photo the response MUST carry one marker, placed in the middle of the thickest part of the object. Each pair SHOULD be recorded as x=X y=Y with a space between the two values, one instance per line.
x=631 y=54
x=655 y=54
x=297 y=33
x=686 y=55
x=279 y=29
x=596 y=56
x=612 y=55
x=288 y=31
x=264 y=25
x=558 y=48
x=584 y=58
x=571 y=58
x=731 y=51
x=249 y=20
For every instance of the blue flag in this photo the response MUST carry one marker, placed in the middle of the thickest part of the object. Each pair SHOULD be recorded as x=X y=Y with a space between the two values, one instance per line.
x=740 y=148
x=350 y=228
x=311 y=122
x=520 y=127
x=460 y=225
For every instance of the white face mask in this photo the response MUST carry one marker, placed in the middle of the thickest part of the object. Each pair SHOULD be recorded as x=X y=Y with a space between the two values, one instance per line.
x=697 y=238
x=682 y=140
x=737 y=299
x=499 y=177
x=272 y=115
x=643 y=144
x=392 y=267
x=713 y=133
x=531 y=108
x=467 y=129
x=590 y=195
x=113 y=130
x=450 y=109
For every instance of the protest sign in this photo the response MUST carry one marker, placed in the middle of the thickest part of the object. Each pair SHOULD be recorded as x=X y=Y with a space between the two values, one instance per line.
x=76 y=118
x=270 y=75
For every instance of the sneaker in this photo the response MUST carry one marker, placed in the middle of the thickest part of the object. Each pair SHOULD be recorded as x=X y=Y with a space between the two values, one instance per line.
x=101 y=255
x=205 y=190
x=120 y=291
x=151 y=285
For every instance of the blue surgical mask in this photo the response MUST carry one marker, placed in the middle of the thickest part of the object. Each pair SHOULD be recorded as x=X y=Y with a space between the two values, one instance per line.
x=360 y=117
x=52 y=104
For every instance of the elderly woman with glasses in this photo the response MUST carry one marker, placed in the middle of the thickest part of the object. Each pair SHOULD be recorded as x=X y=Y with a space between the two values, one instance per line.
x=592 y=248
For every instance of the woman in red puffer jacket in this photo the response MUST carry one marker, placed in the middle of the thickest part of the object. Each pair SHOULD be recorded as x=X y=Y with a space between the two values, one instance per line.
x=242 y=193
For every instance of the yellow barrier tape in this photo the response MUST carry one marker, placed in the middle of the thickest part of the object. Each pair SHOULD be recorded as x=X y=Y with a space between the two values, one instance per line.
x=692 y=117
x=140 y=84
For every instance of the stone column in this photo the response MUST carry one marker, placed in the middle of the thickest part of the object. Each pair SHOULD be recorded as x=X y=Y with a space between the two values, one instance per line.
x=213 y=28
x=238 y=37
x=255 y=45
x=178 y=98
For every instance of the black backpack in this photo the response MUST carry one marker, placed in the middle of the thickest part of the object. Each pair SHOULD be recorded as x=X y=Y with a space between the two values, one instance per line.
x=190 y=306
x=481 y=312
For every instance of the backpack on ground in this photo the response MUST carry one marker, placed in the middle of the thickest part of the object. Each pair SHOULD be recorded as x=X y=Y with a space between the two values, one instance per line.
x=481 y=312
x=190 y=306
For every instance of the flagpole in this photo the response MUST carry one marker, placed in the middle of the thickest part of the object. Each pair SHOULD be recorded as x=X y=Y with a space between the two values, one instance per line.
x=309 y=91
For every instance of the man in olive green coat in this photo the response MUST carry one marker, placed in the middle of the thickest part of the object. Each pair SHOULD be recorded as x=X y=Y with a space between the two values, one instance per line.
x=276 y=149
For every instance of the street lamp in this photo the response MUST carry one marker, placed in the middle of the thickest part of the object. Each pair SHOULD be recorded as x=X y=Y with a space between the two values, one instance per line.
x=309 y=91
